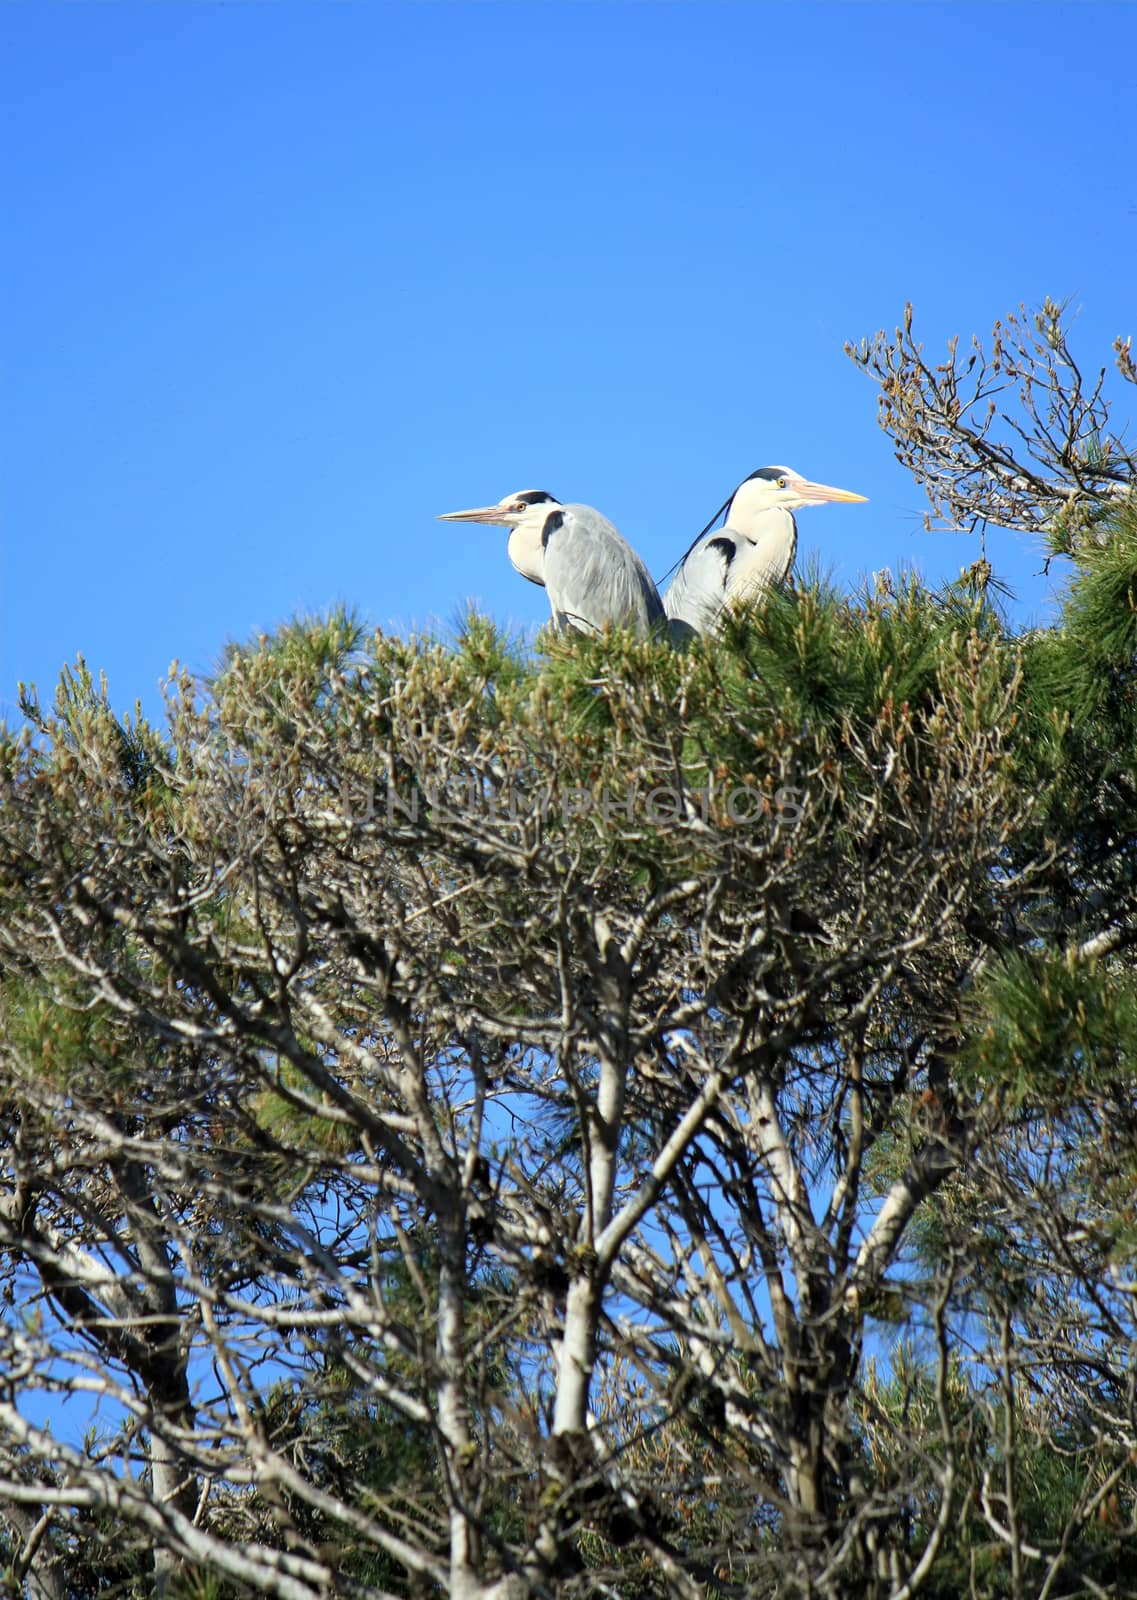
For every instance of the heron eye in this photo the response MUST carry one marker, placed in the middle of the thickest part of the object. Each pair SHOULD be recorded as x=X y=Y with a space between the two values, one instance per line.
x=781 y=483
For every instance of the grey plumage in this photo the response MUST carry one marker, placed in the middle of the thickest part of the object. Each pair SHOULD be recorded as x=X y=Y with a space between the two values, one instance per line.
x=593 y=576
x=753 y=552
x=591 y=573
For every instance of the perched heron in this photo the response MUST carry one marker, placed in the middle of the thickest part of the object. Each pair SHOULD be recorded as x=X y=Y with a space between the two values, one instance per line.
x=592 y=574
x=752 y=551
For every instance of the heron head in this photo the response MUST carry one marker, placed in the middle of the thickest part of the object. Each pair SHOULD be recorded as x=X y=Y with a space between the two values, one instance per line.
x=507 y=513
x=784 y=488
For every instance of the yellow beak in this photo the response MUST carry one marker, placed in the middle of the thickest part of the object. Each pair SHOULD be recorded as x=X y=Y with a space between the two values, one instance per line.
x=491 y=514
x=821 y=493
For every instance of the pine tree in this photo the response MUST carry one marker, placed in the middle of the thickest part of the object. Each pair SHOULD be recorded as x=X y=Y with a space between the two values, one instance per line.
x=612 y=1121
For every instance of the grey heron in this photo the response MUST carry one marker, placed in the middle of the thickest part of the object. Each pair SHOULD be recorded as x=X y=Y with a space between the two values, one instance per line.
x=592 y=574
x=752 y=551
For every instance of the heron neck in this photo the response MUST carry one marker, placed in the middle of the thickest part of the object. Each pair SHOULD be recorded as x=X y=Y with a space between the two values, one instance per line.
x=758 y=526
x=526 y=553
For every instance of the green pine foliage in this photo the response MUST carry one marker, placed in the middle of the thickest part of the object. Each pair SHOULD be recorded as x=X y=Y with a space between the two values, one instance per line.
x=306 y=1005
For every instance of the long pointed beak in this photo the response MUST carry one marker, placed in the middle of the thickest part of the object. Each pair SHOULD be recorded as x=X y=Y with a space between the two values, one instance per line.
x=477 y=514
x=821 y=493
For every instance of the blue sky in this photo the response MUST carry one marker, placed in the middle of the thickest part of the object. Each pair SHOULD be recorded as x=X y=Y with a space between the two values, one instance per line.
x=281 y=281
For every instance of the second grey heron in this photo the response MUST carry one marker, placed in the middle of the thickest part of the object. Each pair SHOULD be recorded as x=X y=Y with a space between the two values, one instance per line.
x=592 y=574
x=753 y=551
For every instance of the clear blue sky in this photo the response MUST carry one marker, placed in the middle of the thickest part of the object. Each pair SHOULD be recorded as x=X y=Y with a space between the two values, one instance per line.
x=281 y=281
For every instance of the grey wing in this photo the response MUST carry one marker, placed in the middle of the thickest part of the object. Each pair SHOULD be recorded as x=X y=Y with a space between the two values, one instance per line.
x=698 y=590
x=594 y=576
